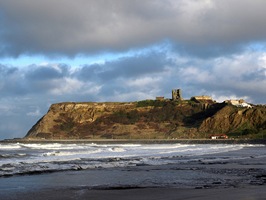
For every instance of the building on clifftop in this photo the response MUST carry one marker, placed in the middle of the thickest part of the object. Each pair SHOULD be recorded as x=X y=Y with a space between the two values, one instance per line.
x=160 y=98
x=202 y=99
x=238 y=103
x=176 y=95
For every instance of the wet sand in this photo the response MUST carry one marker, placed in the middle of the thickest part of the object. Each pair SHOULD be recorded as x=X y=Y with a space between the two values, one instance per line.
x=211 y=178
x=250 y=193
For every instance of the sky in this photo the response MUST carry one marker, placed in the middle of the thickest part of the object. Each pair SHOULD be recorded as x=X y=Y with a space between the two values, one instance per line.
x=126 y=50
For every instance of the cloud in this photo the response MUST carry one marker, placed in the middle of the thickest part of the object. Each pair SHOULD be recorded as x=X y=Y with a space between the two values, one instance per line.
x=207 y=28
x=143 y=82
x=153 y=73
x=11 y=82
x=35 y=113
x=27 y=93
x=238 y=75
x=46 y=72
x=66 y=86
x=145 y=48
x=127 y=67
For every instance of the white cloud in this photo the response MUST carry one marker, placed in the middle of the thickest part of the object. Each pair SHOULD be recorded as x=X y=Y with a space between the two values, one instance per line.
x=6 y=109
x=222 y=98
x=66 y=86
x=143 y=82
x=262 y=62
x=91 y=89
x=35 y=113
x=131 y=96
x=196 y=74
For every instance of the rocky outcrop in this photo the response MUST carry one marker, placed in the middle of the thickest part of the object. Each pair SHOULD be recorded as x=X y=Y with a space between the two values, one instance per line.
x=236 y=121
x=62 y=119
x=147 y=120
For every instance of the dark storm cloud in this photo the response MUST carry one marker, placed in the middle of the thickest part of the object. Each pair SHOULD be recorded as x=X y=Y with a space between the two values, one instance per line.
x=63 y=27
x=258 y=75
x=126 y=67
x=34 y=79
x=211 y=50
x=126 y=75
x=148 y=74
x=6 y=71
x=11 y=82
x=26 y=93
x=47 y=72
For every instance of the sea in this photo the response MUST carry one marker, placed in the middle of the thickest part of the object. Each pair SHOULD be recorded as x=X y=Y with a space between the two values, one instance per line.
x=33 y=158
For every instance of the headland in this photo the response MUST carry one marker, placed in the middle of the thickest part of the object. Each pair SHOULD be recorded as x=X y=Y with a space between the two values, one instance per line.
x=200 y=117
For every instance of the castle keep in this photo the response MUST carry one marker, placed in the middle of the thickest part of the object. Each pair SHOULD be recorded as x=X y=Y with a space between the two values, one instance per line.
x=176 y=94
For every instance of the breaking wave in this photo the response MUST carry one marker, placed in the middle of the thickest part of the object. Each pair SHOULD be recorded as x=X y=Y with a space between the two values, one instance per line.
x=18 y=158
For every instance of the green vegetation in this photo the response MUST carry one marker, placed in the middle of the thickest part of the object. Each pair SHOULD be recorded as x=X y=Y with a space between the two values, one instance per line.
x=167 y=119
x=65 y=126
x=124 y=117
x=248 y=131
x=153 y=119
x=153 y=103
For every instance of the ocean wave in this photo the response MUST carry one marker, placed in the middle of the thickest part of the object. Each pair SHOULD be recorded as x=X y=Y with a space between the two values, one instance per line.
x=36 y=158
x=9 y=146
x=43 y=146
x=117 y=149
x=71 y=153
x=15 y=155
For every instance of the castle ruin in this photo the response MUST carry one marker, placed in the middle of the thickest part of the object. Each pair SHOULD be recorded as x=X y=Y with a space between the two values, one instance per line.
x=176 y=95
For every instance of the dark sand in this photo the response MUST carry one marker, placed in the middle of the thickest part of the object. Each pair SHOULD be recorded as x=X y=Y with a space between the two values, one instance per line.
x=250 y=193
x=212 y=178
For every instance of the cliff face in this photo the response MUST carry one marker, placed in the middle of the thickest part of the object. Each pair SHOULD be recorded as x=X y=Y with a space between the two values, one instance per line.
x=147 y=119
x=63 y=120
x=236 y=121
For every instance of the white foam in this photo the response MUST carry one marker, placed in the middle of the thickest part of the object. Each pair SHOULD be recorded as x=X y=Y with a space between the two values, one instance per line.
x=9 y=146
x=117 y=149
x=58 y=156
x=86 y=153
x=42 y=146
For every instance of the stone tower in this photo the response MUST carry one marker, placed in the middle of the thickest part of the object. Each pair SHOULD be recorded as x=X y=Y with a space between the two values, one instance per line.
x=176 y=95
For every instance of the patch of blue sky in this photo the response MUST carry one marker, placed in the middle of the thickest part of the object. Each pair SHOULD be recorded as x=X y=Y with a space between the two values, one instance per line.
x=257 y=46
x=24 y=60
x=83 y=59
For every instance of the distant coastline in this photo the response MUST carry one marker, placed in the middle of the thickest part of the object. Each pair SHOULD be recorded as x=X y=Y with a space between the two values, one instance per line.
x=150 y=120
x=140 y=141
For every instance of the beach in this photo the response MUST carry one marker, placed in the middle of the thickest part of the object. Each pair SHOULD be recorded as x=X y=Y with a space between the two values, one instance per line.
x=250 y=193
x=236 y=174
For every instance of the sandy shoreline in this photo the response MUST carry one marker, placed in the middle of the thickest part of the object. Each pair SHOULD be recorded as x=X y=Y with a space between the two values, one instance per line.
x=243 y=178
x=250 y=193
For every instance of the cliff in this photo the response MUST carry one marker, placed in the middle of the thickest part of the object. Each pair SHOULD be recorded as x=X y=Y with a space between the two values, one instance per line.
x=236 y=122
x=148 y=120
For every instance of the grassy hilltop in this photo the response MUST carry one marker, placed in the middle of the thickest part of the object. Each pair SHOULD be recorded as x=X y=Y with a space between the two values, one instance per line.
x=149 y=119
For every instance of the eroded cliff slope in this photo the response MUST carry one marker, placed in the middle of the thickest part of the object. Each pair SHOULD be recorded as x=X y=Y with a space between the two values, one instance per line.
x=148 y=120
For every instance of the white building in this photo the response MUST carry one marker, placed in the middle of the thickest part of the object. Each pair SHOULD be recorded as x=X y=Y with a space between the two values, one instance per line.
x=239 y=103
